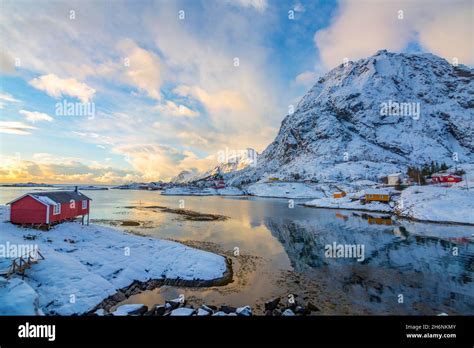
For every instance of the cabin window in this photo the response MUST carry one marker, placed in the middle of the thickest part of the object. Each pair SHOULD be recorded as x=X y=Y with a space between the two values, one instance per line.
x=57 y=209
x=84 y=204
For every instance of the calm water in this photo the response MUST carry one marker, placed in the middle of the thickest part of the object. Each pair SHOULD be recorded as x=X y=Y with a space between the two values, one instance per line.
x=409 y=268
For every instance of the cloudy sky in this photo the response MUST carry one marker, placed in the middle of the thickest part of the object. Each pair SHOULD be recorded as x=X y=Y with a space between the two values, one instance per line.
x=117 y=91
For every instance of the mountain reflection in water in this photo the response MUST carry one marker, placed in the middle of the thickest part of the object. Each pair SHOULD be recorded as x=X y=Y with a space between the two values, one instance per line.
x=430 y=265
x=401 y=269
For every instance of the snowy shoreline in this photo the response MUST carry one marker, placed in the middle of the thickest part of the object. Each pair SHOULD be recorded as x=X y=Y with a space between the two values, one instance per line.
x=84 y=265
x=431 y=204
x=290 y=190
x=391 y=213
x=195 y=191
x=454 y=205
x=347 y=208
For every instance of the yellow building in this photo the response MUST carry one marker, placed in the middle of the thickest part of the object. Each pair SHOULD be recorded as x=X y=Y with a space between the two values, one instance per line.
x=379 y=221
x=338 y=194
x=377 y=196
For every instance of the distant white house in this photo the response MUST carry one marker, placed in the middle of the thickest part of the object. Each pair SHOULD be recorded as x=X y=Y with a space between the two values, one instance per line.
x=394 y=179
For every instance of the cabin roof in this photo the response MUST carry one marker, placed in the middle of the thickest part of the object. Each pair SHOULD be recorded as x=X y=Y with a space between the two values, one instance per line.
x=54 y=197
x=377 y=192
x=444 y=174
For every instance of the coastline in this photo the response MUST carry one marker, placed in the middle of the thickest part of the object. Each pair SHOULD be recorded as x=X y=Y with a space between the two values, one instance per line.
x=143 y=281
x=438 y=222
x=84 y=265
x=138 y=286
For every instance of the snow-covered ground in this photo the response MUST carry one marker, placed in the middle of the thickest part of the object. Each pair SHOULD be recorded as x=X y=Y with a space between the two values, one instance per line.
x=194 y=191
x=139 y=186
x=85 y=264
x=437 y=203
x=18 y=298
x=467 y=182
x=285 y=190
x=347 y=203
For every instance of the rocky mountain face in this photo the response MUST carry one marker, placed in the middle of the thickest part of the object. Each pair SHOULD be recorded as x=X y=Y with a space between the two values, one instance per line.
x=373 y=117
x=229 y=162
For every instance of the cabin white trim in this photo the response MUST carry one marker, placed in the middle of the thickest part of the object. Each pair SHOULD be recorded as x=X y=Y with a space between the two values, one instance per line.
x=57 y=209
x=26 y=194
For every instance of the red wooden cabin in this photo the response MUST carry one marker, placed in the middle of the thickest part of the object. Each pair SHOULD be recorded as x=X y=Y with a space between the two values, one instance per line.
x=450 y=178
x=48 y=208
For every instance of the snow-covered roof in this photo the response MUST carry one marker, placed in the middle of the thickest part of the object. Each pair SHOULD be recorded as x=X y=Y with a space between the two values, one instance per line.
x=30 y=195
x=44 y=199
x=54 y=197
x=444 y=174
x=377 y=192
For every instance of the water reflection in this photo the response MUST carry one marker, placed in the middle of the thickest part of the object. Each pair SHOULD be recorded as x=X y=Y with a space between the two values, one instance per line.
x=430 y=265
x=402 y=272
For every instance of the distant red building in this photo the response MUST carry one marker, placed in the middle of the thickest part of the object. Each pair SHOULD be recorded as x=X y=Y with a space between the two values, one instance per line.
x=445 y=178
x=49 y=208
x=219 y=184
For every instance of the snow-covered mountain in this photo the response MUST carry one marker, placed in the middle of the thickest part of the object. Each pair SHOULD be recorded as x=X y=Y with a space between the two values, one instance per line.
x=185 y=176
x=235 y=161
x=374 y=117
x=229 y=162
